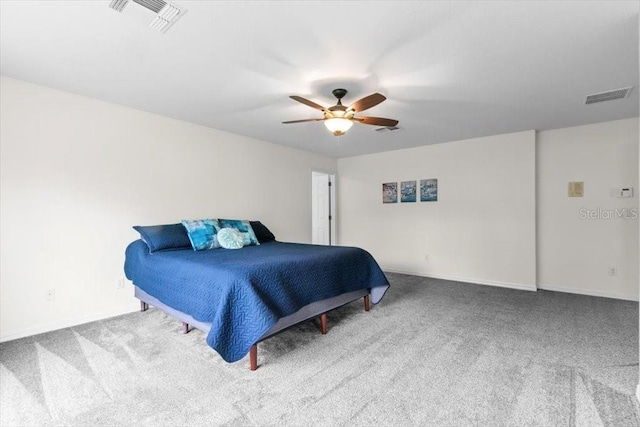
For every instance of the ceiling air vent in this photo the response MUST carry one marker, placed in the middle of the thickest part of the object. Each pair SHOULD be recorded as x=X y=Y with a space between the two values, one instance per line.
x=160 y=14
x=118 y=4
x=387 y=129
x=609 y=95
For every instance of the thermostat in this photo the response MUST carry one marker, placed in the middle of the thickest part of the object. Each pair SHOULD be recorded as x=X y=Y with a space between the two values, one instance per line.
x=625 y=192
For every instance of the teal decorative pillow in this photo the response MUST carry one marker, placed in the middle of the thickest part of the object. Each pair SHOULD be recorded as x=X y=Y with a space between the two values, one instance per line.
x=202 y=233
x=248 y=236
x=230 y=238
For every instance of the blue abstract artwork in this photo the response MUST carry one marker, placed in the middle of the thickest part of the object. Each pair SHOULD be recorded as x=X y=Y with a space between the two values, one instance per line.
x=408 y=191
x=390 y=192
x=428 y=190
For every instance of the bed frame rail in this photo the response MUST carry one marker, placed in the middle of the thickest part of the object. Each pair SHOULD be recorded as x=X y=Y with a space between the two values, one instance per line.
x=308 y=312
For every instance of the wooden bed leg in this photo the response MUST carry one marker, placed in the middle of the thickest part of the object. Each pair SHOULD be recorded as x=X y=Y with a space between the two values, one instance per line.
x=366 y=303
x=144 y=306
x=253 y=357
x=185 y=328
x=323 y=323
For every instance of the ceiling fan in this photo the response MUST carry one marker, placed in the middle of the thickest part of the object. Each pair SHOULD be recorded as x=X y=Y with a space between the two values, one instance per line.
x=339 y=119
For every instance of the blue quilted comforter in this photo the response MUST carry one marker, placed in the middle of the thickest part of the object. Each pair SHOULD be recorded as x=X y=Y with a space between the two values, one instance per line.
x=244 y=292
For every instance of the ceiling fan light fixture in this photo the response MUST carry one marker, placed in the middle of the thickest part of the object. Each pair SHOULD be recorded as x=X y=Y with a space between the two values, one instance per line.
x=338 y=118
x=338 y=126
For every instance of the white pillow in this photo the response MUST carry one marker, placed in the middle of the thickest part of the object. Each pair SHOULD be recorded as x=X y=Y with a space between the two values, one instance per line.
x=230 y=238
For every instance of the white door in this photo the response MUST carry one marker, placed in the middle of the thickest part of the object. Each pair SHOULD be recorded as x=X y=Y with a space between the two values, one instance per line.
x=321 y=209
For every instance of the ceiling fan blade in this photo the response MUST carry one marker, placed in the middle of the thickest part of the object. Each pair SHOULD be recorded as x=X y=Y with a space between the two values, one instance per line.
x=367 y=102
x=307 y=102
x=376 y=121
x=301 y=121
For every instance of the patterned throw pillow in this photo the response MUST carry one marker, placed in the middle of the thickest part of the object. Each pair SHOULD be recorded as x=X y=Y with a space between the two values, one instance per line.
x=202 y=233
x=230 y=238
x=248 y=236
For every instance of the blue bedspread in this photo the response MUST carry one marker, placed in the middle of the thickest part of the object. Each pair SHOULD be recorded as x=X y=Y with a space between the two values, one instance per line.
x=244 y=292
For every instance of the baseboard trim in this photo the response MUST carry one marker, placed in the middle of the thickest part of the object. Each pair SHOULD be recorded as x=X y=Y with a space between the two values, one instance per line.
x=66 y=323
x=40 y=329
x=519 y=286
x=592 y=293
x=510 y=285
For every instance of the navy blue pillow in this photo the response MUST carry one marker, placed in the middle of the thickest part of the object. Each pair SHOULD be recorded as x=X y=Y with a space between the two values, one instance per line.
x=262 y=233
x=164 y=237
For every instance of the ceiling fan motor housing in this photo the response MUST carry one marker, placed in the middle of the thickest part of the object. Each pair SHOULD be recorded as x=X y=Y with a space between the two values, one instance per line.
x=339 y=93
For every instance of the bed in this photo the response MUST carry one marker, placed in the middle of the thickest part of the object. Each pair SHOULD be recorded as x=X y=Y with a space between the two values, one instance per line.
x=242 y=297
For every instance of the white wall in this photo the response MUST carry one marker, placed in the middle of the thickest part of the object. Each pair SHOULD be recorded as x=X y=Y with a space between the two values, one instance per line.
x=77 y=173
x=481 y=229
x=575 y=254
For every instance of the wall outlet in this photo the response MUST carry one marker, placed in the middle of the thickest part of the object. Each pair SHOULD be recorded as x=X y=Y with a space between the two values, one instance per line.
x=426 y=257
x=120 y=283
x=50 y=295
x=613 y=271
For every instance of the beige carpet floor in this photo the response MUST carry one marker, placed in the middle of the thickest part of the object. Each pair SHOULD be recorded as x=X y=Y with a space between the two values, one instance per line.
x=431 y=353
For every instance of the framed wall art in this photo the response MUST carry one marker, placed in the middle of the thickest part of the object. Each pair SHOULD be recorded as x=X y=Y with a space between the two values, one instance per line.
x=408 y=191
x=390 y=192
x=428 y=190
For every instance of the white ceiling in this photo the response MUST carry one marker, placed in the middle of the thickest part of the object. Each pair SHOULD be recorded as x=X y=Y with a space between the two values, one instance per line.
x=450 y=70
